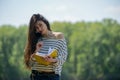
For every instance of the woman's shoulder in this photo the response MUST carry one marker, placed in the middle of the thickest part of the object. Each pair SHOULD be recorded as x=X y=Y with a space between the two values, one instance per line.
x=58 y=35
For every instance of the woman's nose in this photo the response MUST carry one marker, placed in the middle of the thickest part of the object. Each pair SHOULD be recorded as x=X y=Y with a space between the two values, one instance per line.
x=39 y=29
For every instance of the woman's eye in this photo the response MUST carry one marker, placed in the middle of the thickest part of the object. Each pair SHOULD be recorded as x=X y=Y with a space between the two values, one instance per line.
x=40 y=25
x=36 y=27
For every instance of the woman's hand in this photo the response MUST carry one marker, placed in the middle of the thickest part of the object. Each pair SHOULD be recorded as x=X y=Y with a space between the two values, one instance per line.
x=38 y=46
x=50 y=59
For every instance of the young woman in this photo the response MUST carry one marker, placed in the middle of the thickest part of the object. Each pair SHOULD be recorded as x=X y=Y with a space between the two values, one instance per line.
x=40 y=39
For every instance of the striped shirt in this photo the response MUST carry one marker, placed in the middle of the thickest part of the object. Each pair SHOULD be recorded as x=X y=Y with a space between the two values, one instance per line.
x=60 y=46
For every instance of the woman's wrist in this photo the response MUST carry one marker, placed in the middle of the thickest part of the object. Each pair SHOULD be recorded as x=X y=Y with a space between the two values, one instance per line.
x=36 y=51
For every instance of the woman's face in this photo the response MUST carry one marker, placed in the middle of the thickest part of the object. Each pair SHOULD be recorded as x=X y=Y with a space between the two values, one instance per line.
x=41 y=27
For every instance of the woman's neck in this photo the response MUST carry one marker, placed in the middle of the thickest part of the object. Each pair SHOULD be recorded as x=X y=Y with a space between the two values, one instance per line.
x=49 y=35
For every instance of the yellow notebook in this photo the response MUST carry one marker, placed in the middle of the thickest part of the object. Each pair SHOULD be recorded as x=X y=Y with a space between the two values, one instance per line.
x=39 y=56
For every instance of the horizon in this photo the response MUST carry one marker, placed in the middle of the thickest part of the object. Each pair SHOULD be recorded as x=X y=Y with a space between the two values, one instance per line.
x=62 y=21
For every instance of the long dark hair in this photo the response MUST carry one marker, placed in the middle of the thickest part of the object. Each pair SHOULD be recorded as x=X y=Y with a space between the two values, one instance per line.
x=33 y=36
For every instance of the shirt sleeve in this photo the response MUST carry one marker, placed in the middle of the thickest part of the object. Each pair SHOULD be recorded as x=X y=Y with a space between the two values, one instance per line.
x=61 y=47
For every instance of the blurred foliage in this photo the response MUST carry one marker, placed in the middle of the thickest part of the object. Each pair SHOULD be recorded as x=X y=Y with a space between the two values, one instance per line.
x=93 y=50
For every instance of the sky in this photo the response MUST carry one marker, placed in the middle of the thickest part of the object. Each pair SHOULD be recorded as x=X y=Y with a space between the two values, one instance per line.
x=19 y=12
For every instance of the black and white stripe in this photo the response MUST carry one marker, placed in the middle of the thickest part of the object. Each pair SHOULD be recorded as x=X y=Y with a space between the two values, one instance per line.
x=60 y=45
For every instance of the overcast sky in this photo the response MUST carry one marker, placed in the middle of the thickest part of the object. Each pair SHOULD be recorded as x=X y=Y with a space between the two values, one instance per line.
x=18 y=12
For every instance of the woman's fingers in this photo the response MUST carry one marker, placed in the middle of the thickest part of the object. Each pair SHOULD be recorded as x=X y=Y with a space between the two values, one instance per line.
x=48 y=58
x=39 y=45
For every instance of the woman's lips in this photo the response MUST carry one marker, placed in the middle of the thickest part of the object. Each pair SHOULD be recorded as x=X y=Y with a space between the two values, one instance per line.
x=41 y=32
